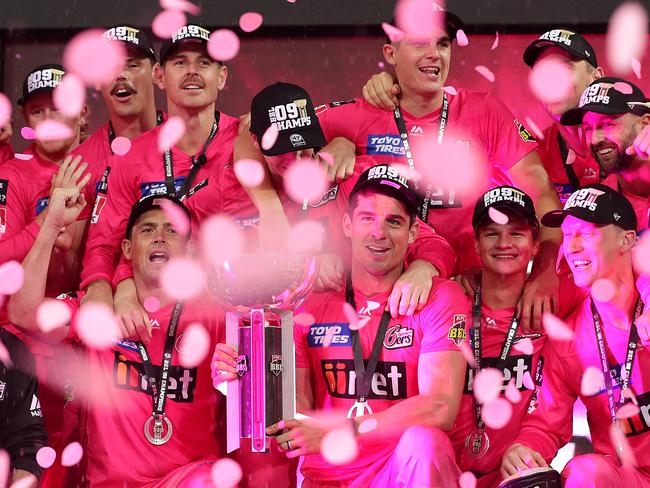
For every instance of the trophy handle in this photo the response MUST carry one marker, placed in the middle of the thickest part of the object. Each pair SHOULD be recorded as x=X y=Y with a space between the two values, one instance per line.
x=258 y=396
x=288 y=366
x=233 y=402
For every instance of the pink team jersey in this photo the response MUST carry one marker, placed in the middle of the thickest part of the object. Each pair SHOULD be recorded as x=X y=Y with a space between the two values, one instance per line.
x=395 y=379
x=139 y=173
x=584 y=165
x=548 y=426
x=6 y=153
x=494 y=327
x=477 y=122
x=116 y=451
x=641 y=204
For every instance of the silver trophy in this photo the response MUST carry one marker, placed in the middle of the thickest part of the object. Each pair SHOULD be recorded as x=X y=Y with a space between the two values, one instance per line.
x=260 y=292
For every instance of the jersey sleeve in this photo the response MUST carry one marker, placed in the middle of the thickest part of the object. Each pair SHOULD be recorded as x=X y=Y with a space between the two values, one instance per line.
x=432 y=247
x=109 y=225
x=340 y=119
x=446 y=310
x=300 y=333
x=549 y=423
x=124 y=271
x=506 y=139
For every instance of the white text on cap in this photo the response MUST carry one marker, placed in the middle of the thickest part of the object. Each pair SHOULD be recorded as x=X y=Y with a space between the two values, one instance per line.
x=584 y=198
x=44 y=78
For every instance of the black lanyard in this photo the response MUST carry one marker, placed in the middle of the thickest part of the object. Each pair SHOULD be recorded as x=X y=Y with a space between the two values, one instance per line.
x=570 y=172
x=629 y=356
x=365 y=372
x=476 y=340
x=111 y=133
x=159 y=386
x=197 y=162
x=401 y=127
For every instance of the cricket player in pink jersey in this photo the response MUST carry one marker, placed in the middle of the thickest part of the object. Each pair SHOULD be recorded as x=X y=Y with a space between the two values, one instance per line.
x=123 y=383
x=505 y=249
x=404 y=372
x=598 y=225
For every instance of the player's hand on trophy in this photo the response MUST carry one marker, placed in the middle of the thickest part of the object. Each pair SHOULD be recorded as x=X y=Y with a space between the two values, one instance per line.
x=298 y=437
x=224 y=364
x=518 y=457
x=341 y=164
x=381 y=91
x=330 y=273
x=540 y=296
x=468 y=280
x=641 y=144
x=411 y=290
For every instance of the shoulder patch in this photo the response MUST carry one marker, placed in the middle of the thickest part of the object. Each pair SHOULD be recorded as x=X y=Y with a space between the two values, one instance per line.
x=457 y=332
x=524 y=133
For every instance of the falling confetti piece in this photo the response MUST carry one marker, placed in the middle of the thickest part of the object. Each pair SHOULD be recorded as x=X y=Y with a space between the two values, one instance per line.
x=468 y=354
x=485 y=73
x=182 y=278
x=381 y=65
x=72 y=454
x=11 y=277
x=497 y=413
x=92 y=58
x=603 y=290
x=550 y=80
x=570 y=157
x=70 y=95
x=5 y=109
x=416 y=18
x=393 y=33
x=249 y=172
x=226 y=473
x=45 y=457
x=327 y=157
x=451 y=90
x=592 y=381
x=406 y=171
x=167 y=23
x=121 y=145
x=512 y=392
x=627 y=35
x=305 y=180
x=176 y=216
x=525 y=346
x=250 y=21
x=497 y=216
x=5 y=464
x=151 y=304
x=555 y=328
x=367 y=425
x=306 y=237
x=641 y=254
x=495 y=44
x=28 y=133
x=528 y=381
x=23 y=157
x=195 y=345
x=620 y=443
x=635 y=64
x=52 y=314
x=624 y=88
x=339 y=446
x=52 y=130
x=223 y=45
x=96 y=325
x=269 y=137
x=170 y=133
x=221 y=240
x=487 y=384
x=305 y=319
x=350 y=314
x=329 y=336
x=537 y=132
x=222 y=388
x=467 y=480
x=461 y=38
x=183 y=5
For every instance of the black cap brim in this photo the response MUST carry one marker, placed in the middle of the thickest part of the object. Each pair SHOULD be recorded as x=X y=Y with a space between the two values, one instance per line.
x=411 y=204
x=575 y=115
x=554 y=218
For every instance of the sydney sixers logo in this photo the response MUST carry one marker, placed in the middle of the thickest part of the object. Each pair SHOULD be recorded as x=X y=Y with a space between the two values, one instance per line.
x=397 y=337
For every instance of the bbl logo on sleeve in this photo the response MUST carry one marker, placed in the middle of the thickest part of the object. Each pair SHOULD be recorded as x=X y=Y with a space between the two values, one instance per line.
x=524 y=133
x=457 y=333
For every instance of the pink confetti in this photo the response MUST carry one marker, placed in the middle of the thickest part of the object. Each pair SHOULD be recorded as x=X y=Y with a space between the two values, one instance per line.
x=72 y=454
x=5 y=109
x=367 y=425
x=223 y=45
x=226 y=473
x=339 y=446
x=23 y=157
x=92 y=58
x=451 y=90
x=592 y=381
x=628 y=410
x=327 y=157
x=291 y=1
x=176 y=216
x=393 y=33
x=528 y=381
x=269 y=137
x=627 y=35
x=4 y=356
x=52 y=314
x=305 y=180
x=28 y=133
x=416 y=18
x=570 y=157
x=624 y=88
x=195 y=345
x=96 y=325
x=249 y=172
x=350 y=315
x=70 y=95
x=121 y=145
x=151 y=304
x=619 y=441
x=635 y=64
x=380 y=65
x=52 y=130
x=497 y=413
x=641 y=254
x=408 y=172
x=537 y=132
x=167 y=23
x=5 y=464
x=487 y=385
x=468 y=354
x=45 y=457
x=306 y=237
x=525 y=346
x=329 y=336
x=485 y=72
x=221 y=240
x=512 y=392
x=170 y=133
x=182 y=278
x=461 y=38
x=250 y=21
x=550 y=80
x=603 y=290
x=467 y=480
x=555 y=328
x=303 y=318
x=11 y=277
x=183 y=5
x=495 y=44
x=497 y=216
